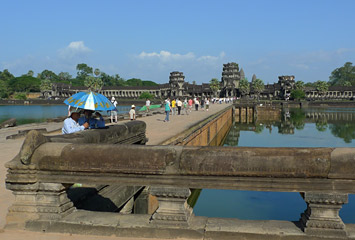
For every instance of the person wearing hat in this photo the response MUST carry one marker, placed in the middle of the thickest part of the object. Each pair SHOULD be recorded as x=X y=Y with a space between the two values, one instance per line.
x=113 y=112
x=132 y=113
x=71 y=124
x=93 y=122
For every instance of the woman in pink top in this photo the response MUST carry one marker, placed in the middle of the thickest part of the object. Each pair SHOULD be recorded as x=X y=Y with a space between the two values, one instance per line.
x=190 y=104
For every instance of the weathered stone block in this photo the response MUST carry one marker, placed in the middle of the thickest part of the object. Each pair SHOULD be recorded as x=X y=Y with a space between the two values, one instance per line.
x=322 y=214
x=173 y=209
x=38 y=201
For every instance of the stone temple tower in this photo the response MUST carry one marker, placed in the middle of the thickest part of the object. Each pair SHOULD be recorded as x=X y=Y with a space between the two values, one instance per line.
x=176 y=82
x=230 y=79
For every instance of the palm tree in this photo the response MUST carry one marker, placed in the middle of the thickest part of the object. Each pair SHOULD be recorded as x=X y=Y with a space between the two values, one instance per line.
x=214 y=85
x=258 y=86
x=299 y=85
x=244 y=86
x=322 y=87
x=97 y=72
x=93 y=83
x=46 y=87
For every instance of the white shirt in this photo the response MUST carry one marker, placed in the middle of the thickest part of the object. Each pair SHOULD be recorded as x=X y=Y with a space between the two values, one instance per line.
x=70 y=126
x=147 y=103
x=132 y=114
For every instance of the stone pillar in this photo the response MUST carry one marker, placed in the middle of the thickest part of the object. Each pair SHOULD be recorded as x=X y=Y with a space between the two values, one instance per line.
x=173 y=209
x=322 y=214
x=38 y=201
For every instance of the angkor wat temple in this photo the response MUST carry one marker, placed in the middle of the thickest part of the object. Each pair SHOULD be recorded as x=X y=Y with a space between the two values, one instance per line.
x=229 y=87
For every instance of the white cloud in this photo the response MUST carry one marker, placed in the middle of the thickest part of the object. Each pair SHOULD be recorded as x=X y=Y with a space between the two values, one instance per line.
x=74 y=49
x=212 y=58
x=166 y=56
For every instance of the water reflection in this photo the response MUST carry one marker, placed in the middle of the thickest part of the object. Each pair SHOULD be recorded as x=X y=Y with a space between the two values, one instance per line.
x=294 y=128
x=339 y=124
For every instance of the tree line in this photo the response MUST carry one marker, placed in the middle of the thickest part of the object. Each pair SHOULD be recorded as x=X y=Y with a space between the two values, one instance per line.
x=17 y=87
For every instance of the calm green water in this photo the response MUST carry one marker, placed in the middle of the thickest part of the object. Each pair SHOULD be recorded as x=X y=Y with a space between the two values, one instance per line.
x=296 y=128
x=39 y=113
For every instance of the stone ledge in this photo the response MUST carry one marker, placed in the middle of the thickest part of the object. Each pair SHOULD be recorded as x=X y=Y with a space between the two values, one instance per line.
x=106 y=224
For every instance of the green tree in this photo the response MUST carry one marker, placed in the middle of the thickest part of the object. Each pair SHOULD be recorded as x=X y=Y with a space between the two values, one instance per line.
x=20 y=96
x=310 y=84
x=83 y=71
x=340 y=76
x=97 y=72
x=194 y=82
x=149 y=83
x=299 y=85
x=4 y=89
x=6 y=75
x=258 y=86
x=64 y=77
x=244 y=87
x=25 y=84
x=214 y=85
x=322 y=87
x=93 y=83
x=46 y=85
x=347 y=84
x=134 y=82
x=47 y=74
x=146 y=95
x=30 y=73
x=298 y=94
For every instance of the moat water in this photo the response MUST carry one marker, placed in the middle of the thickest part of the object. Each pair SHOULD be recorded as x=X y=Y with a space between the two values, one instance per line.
x=40 y=113
x=296 y=128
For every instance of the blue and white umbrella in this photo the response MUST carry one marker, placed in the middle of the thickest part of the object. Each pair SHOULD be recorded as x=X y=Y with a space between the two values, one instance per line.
x=90 y=101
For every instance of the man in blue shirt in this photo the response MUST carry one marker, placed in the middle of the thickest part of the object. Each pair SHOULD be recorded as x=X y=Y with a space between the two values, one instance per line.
x=93 y=122
x=71 y=124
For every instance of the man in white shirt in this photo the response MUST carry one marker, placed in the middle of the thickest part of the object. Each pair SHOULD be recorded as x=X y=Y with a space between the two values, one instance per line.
x=132 y=113
x=71 y=124
x=114 y=111
x=147 y=104
x=179 y=105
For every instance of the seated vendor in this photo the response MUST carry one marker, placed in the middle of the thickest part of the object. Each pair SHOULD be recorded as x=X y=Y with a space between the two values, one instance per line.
x=93 y=122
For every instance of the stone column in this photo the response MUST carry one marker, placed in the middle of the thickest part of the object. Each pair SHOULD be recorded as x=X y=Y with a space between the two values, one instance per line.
x=38 y=201
x=322 y=214
x=173 y=209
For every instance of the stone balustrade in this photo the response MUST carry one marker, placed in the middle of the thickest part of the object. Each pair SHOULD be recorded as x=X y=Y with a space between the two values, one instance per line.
x=324 y=177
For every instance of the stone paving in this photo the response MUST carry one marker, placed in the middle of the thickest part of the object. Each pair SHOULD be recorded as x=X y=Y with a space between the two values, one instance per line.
x=157 y=132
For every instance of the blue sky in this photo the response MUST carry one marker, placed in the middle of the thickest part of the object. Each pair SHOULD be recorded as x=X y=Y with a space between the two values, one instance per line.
x=150 y=39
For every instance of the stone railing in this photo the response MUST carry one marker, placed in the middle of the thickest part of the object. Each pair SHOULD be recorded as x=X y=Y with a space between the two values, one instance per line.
x=26 y=193
x=323 y=176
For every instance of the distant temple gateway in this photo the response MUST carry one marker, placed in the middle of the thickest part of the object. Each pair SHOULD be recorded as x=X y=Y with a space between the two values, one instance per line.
x=229 y=87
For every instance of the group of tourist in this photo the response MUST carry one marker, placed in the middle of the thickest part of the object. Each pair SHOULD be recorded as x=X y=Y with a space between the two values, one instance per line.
x=175 y=106
x=223 y=100
x=75 y=122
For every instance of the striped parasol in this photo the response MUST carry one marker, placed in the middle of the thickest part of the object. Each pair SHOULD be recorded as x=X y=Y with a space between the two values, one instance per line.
x=90 y=101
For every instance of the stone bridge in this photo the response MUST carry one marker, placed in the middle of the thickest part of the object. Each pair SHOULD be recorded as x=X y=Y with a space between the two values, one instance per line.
x=46 y=168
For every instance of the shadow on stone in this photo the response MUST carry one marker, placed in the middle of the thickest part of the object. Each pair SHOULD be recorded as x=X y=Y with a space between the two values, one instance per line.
x=88 y=198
